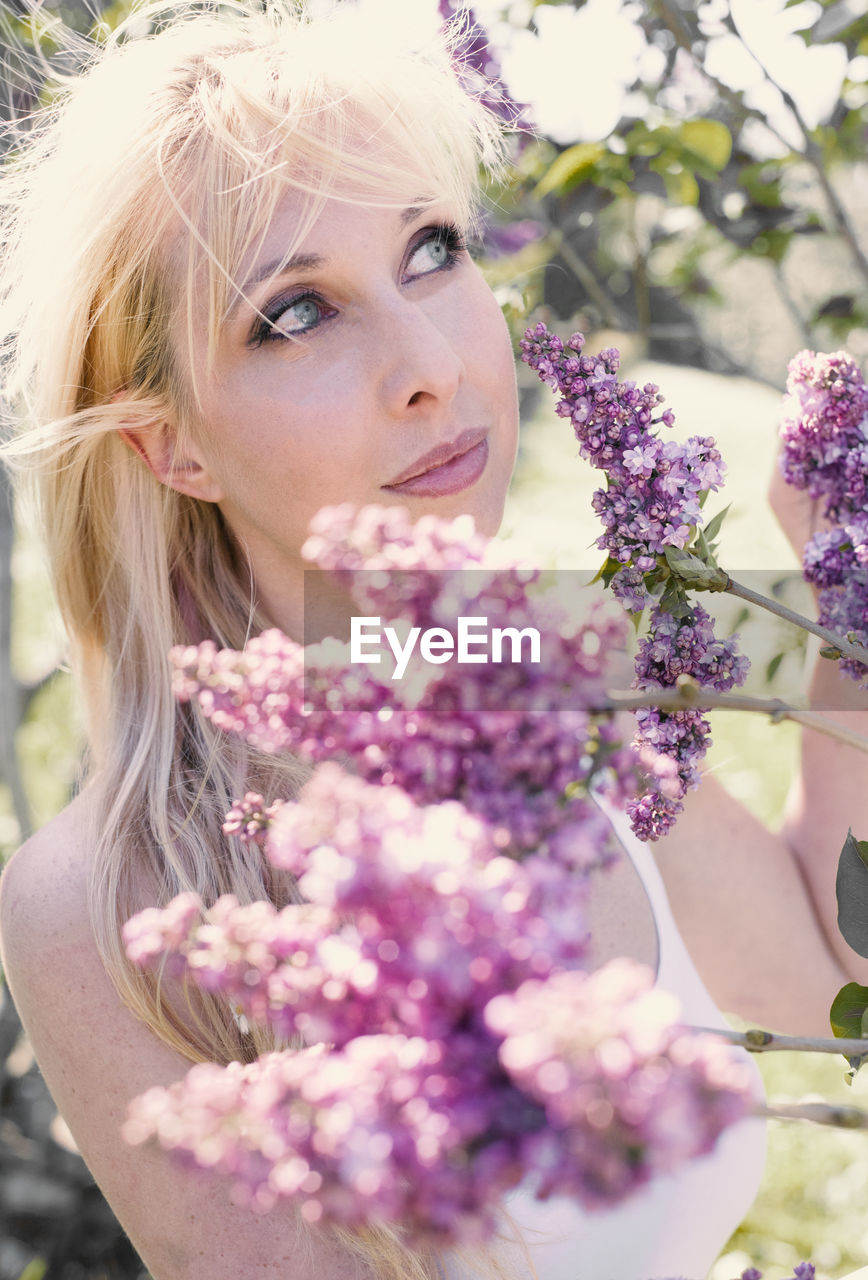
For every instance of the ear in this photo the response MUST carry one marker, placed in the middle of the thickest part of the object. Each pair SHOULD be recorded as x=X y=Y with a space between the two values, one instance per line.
x=179 y=469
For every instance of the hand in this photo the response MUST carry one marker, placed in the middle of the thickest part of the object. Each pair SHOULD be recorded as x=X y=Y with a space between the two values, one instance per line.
x=799 y=515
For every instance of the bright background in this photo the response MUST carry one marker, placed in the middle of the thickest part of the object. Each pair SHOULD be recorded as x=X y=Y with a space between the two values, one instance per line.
x=681 y=196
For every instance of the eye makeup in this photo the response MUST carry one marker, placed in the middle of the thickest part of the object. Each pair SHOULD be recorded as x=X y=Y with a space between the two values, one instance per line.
x=445 y=240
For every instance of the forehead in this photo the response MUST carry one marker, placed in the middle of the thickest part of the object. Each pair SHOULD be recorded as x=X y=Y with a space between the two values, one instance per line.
x=291 y=242
x=228 y=238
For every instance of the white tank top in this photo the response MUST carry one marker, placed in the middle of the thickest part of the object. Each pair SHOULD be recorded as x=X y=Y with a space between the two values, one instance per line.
x=678 y=1223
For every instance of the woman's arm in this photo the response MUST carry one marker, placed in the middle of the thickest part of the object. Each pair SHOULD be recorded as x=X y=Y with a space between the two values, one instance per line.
x=751 y=920
x=96 y=1056
x=758 y=909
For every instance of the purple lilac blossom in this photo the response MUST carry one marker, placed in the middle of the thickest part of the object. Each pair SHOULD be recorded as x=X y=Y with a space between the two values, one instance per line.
x=498 y=736
x=250 y=818
x=825 y=432
x=460 y=1048
x=825 y=435
x=418 y=1104
x=479 y=66
x=652 y=500
x=412 y=919
x=431 y=1134
x=672 y=648
x=604 y=1055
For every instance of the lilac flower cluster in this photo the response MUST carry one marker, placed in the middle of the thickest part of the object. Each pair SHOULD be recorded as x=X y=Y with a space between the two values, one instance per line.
x=431 y=1134
x=651 y=502
x=379 y=1131
x=825 y=435
x=653 y=486
x=250 y=818
x=465 y=1049
x=498 y=737
x=672 y=648
x=420 y=950
x=603 y=1054
x=412 y=920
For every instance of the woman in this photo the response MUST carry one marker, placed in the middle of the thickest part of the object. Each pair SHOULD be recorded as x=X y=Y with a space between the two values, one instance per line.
x=236 y=290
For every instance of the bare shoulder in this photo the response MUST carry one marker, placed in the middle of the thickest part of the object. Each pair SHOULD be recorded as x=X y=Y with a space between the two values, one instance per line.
x=96 y=1056
x=43 y=888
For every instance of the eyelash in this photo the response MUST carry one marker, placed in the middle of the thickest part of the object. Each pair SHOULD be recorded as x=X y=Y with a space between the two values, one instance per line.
x=266 y=330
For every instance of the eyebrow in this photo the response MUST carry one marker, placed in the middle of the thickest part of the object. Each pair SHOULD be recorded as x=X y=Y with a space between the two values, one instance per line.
x=301 y=262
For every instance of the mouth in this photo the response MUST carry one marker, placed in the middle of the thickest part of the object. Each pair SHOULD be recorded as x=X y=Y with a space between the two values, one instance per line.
x=449 y=468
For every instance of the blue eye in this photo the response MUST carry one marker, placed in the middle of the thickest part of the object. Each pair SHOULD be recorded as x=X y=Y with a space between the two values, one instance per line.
x=438 y=250
x=292 y=317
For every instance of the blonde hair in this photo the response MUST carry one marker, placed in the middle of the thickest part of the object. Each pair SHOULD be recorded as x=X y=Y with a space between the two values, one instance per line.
x=161 y=159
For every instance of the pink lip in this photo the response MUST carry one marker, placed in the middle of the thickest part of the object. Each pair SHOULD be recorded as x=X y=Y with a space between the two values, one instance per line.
x=450 y=468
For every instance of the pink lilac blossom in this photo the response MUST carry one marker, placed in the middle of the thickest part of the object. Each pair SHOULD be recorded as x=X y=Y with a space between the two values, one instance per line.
x=412 y=919
x=511 y=741
x=431 y=1133
x=379 y=1131
x=825 y=435
x=626 y=1092
x=416 y=932
x=250 y=818
x=652 y=500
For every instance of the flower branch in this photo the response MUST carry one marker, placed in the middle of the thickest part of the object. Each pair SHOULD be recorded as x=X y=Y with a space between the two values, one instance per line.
x=756 y=1040
x=817 y=1113
x=844 y=647
x=687 y=693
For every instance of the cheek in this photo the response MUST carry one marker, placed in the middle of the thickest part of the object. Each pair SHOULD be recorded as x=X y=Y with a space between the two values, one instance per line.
x=488 y=337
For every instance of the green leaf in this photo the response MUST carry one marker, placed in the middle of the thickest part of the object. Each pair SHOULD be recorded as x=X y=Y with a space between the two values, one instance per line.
x=712 y=529
x=695 y=572
x=851 y=887
x=708 y=139
x=673 y=600
x=35 y=1270
x=849 y=1013
x=706 y=551
x=772 y=668
x=607 y=571
x=849 y=1020
x=570 y=167
x=681 y=186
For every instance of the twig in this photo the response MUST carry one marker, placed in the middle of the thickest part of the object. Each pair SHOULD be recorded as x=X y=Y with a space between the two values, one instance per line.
x=582 y=272
x=758 y=1041
x=687 y=693
x=846 y=648
x=817 y=1113
x=814 y=157
x=674 y=20
x=805 y=330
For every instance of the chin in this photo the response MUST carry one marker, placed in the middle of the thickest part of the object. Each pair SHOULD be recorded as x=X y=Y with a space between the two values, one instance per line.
x=488 y=524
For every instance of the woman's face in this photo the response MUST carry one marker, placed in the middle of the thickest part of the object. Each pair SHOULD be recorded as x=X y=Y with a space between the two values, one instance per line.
x=383 y=373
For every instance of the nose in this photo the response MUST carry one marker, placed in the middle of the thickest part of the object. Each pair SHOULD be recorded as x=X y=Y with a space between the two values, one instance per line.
x=422 y=364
